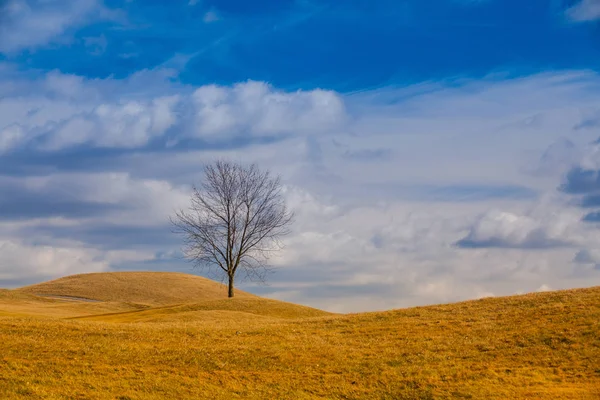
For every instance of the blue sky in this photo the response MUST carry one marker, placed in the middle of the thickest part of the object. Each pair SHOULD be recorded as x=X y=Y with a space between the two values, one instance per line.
x=433 y=150
x=339 y=45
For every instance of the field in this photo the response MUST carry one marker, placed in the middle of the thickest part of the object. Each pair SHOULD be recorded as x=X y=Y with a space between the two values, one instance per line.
x=145 y=339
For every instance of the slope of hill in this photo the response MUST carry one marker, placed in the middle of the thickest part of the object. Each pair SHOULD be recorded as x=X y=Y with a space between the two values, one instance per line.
x=17 y=303
x=227 y=308
x=141 y=297
x=537 y=346
x=144 y=288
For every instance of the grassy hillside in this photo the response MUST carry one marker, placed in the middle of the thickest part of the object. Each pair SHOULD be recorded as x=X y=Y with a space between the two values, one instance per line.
x=141 y=297
x=18 y=303
x=538 y=346
x=192 y=312
x=145 y=288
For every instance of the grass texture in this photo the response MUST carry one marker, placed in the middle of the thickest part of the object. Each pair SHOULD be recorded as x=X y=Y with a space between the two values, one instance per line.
x=137 y=345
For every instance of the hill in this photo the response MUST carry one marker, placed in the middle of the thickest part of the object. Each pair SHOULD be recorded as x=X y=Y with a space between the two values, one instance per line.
x=143 y=288
x=227 y=308
x=142 y=296
x=19 y=303
x=536 y=346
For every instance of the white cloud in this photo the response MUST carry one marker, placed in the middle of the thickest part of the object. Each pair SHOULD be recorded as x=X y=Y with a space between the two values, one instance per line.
x=125 y=125
x=585 y=10
x=28 y=24
x=29 y=249
x=137 y=202
x=71 y=111
x=20 y=262
x=508 y=230
x=256 y=108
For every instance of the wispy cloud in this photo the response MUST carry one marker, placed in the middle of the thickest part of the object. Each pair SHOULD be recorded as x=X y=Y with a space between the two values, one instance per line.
x=210 y=16
x=585 y=10
x=29 y=24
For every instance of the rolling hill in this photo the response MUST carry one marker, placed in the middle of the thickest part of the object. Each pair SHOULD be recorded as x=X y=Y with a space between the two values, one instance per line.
x=137 y=346
x=225 y=307
x=142 y=296
x=144 y=288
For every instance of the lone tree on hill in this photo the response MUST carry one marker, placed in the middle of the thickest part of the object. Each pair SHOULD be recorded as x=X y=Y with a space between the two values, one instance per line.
x=235 y=221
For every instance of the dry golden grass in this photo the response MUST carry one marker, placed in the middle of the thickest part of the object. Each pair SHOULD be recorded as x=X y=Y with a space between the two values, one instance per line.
x=539 y=346
x=192 y=312
x=144 y=288
x=140 y=296
x=17 y=303
x=14 y=302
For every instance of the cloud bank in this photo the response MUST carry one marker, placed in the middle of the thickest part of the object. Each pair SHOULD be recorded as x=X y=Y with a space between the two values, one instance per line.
x=416 y=195
x=72 y=112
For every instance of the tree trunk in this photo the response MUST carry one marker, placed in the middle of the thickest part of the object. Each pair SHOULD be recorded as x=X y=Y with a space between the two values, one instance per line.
x=230 y=285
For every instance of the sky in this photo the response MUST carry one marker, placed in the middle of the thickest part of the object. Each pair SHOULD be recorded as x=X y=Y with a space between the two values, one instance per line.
x=432 y=151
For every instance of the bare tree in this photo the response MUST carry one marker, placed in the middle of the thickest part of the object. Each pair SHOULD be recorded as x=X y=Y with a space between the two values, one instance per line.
x=235 y=221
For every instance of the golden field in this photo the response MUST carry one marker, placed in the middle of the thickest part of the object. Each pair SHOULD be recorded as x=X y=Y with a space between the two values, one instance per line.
x=177 y=336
